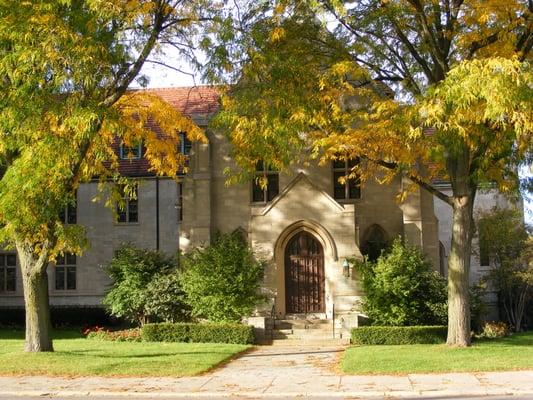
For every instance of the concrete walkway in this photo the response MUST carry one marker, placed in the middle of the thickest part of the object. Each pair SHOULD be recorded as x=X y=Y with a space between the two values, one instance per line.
x=280 y=371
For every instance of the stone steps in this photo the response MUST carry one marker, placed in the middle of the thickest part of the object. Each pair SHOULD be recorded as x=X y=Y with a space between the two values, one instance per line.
x=303 y=329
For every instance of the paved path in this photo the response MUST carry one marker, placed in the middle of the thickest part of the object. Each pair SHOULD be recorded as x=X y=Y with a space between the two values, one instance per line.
x=279 y=372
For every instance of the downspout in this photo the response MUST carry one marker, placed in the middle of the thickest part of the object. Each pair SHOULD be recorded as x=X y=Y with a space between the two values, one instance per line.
x=157 y=213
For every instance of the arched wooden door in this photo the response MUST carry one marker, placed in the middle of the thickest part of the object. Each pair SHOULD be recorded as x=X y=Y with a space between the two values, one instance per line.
x=304 y=275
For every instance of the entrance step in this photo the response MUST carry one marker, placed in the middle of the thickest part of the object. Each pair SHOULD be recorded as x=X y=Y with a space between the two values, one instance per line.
x=305 y=330
x=311 y=342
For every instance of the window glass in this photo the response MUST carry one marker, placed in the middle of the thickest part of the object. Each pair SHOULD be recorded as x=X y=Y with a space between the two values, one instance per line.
x=130 y=152
x=263 y=195
x=351 y=187
x=128 y=210
x=65 y=272
x=8 y=272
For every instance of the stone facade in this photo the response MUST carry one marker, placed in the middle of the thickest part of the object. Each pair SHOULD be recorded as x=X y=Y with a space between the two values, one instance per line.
x=304 y=203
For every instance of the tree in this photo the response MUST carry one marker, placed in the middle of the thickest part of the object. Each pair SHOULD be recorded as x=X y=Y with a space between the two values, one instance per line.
x=65 y=68
x=505 y=240
x=145 y=287
x=402 y=289
x=462 y=109
x=222 y=281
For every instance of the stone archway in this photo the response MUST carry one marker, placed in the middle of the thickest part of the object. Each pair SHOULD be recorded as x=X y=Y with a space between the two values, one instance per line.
x=329 y=254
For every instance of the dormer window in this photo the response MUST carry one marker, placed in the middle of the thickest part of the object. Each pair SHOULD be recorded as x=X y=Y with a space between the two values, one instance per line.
x=133 y=152
x=265 y=173
x=185 y=144
x=344 y=187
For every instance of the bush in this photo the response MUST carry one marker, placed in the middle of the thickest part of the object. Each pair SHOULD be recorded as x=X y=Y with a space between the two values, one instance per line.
x=387 y=335
x=145 y=287
x=126 y=335
x=402 y=289
x=198 y=333
x=494 y=330
x=222 y=281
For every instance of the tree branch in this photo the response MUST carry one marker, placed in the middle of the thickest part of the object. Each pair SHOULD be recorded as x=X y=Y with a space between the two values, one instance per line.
x=423 y=184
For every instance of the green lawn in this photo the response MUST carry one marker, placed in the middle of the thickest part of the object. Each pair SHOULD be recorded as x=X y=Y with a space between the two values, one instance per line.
x=77 y=356
x=511 y=353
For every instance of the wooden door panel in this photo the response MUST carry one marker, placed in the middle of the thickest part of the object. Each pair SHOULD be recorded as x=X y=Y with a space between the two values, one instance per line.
x=304 y=275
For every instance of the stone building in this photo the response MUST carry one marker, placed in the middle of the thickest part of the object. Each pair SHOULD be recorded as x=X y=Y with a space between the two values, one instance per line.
x=305 y=224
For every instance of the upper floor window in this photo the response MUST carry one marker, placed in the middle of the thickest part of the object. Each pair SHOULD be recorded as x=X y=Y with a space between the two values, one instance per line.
x=344 y=187
x=65 y=272
x=68 y=215
x=133 y=152
x=128 y=208
x=185 y=144
x=8 y=272
x=264 y=173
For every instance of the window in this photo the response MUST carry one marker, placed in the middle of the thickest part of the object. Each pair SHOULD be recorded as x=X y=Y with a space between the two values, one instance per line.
x=185 y=144
x=271 y=176
x=375 y=241
x=8 y=272
x=442 y=259
x=128 y=210
x=350 y=188
x=133 y=152
x=484 y=259
x=69 y=214
x=65 y=271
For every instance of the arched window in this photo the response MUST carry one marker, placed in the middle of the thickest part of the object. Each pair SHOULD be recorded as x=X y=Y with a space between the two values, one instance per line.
x=374 y=241
x=442 y=259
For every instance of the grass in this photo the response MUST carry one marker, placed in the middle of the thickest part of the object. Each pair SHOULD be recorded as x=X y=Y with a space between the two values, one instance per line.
x=76 y=356
x=511 y=353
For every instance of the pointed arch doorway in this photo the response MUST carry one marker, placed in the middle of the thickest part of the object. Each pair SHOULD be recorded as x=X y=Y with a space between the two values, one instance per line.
x=304 y=275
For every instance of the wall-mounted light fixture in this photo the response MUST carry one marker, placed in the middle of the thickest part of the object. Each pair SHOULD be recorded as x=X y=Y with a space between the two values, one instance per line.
x=346 y=268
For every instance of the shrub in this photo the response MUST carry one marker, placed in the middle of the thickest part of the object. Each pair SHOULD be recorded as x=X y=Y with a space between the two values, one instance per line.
x=222 y=281
x=198 y=333
x=144 y=287
x=402 y=289
x=387 y=335
x=494 y=330
x=126 y=335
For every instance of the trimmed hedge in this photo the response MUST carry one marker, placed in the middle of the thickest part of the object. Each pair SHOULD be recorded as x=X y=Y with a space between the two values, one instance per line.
x=198 y=333
x=387 y=335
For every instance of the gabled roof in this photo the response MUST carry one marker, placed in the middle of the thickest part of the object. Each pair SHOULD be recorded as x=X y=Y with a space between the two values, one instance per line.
x=191 y=101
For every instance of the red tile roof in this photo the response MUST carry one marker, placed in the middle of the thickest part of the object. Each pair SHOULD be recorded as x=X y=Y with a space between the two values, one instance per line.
x=191 y=101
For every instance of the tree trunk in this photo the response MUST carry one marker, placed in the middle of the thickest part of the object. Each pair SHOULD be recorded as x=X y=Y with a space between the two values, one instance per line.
x=35 y=283
x=459 y=271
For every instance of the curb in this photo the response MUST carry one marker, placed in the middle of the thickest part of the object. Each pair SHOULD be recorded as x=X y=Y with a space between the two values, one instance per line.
x=254 y=395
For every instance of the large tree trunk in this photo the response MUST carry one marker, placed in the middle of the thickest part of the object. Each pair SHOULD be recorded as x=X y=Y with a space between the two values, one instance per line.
x=35 y=283
x=459 y=271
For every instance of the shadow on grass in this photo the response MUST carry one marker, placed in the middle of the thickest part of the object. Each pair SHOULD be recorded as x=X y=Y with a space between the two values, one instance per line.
x=102 y=353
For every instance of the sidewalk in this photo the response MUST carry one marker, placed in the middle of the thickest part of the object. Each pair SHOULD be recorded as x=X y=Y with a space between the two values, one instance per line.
x=279 y=371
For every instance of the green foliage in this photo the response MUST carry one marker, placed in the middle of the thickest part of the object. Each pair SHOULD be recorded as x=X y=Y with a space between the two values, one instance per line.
x=166 y=300
x=222 y=281
x=198 y=333
x=402 y=289
x=505 y=240
x=392 y=335
x=145 y=287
